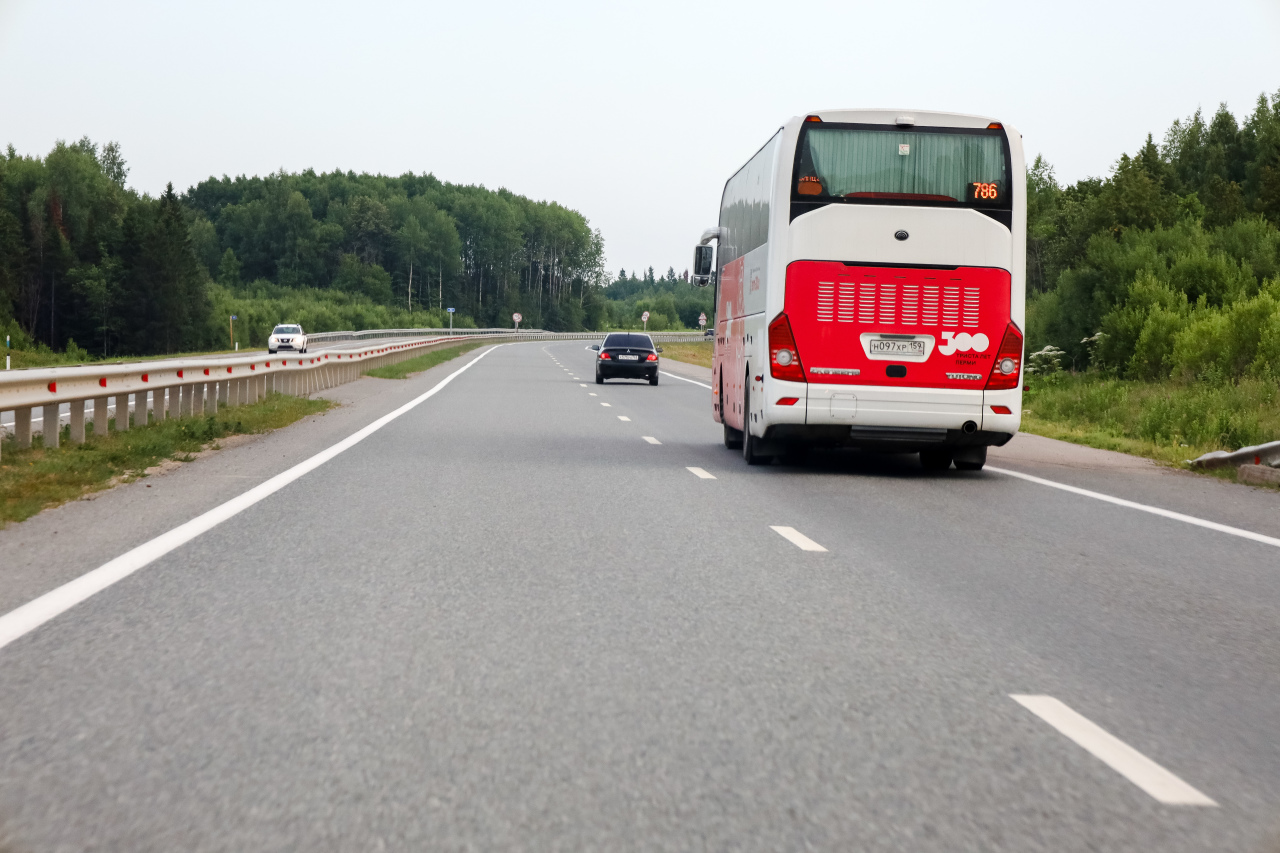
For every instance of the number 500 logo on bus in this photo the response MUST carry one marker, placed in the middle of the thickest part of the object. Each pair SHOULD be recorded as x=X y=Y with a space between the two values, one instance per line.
x=963 y=342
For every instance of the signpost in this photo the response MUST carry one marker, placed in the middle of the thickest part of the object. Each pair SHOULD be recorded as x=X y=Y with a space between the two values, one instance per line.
x=232 y=325
x=450 y=310
x=644 y=318
x=516 y=316
x=702 y=319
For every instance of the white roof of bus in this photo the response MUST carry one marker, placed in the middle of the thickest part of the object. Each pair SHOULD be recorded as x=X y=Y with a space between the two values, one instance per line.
x=923 y=118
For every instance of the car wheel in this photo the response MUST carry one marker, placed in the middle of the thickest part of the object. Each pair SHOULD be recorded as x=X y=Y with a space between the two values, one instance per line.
x=271 y=352
x=971 y=458
x=599 y=378
x=750 y=444
x=653 y=380
x=935 y=460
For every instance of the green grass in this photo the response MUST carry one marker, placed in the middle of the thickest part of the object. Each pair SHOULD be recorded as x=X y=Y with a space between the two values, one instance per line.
x=417 y=364
x=1167 y=421
x=37 y=478
x=692 y=353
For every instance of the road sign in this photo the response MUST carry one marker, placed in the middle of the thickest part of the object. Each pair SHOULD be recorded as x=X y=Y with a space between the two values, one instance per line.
x=702 y=319
x=450 y=310
x=516 y=317
x=644 y=317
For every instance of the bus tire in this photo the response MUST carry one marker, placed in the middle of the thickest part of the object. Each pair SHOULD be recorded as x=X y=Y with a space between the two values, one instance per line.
x=750 y=444
x=935 y=460
x=732 y=437
x=971 y=458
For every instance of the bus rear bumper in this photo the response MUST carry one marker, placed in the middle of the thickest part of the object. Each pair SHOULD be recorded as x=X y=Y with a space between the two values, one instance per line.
x=894 y=419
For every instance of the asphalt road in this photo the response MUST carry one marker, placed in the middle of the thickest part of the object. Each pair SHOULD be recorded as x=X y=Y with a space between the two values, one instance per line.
x=510 y=619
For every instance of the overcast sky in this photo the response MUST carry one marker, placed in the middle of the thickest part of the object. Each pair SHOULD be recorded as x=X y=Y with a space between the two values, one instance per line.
x=634 y=114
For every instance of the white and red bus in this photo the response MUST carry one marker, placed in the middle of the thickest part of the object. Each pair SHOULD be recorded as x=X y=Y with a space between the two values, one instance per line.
x=870 y=287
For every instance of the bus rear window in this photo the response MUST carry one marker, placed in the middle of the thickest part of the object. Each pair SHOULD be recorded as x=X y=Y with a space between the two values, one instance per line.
x=873 y=164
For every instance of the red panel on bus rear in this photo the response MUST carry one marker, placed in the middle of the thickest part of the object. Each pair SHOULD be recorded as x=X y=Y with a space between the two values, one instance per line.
x=844 y=318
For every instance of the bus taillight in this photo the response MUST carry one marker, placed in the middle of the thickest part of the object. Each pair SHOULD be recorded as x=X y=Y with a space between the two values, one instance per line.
x=1004 y=373
x=784 y=358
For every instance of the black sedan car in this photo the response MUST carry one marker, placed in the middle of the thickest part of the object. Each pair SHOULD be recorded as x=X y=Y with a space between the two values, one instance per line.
x=627 y=355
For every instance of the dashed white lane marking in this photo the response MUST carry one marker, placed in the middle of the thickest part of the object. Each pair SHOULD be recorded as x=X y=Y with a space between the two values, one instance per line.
x=700 y=474
x=1154 y=510
x=623 y=418
x=590 y=393
x=606 y=405
x=795 y=537
x=683 y=379
x=651 y=439
x=52 y=604
x=582 y=385
x=1113 y=752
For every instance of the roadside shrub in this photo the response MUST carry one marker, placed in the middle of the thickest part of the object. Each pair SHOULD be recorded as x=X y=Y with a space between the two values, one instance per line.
x=1153 y=353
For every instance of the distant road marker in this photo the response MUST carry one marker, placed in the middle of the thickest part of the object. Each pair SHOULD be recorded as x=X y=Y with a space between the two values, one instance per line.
x=623 y=418
x=683 y=379
x=795 y=537
x=1113 y=752
x=699 y=473
x=606 y=405
x=1154 y=510
x=590 y=393
x=651 y=439
x=582 y=385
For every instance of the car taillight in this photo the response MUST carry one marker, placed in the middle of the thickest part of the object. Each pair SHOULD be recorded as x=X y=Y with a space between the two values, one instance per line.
x=787 y=401
x=784 y=358
x=653 y=356
x=1008 y=366
x=604 y=355
x=1002 y=410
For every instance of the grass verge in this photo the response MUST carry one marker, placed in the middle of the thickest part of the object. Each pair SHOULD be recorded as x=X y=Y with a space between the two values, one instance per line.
x=698 y=353
x=419 y=363
x=1166 y=421
x=37 y=478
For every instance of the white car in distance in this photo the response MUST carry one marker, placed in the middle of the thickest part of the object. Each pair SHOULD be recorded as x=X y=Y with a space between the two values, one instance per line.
x=287 y=338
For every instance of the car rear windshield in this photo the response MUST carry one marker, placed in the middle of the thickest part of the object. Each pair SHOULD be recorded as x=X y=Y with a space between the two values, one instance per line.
x=288 y=330
x=877 y=164
x=636 y=341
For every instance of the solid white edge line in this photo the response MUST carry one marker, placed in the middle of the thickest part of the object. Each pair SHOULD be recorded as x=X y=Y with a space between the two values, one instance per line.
x=1154 y=510
x=795 y=537
x=1113 y=752
x=700 y=473
x=683 y=379
x=35 y=613
x=651 y=439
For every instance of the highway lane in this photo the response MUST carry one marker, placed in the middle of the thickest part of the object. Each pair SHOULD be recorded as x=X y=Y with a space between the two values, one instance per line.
x=523 y=621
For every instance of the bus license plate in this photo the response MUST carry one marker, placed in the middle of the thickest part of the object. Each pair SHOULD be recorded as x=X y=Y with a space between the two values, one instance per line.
x=880 y=346
x=628 y=358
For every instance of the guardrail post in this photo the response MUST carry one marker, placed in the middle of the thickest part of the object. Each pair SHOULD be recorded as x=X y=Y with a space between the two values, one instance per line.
x=263 y=387
x=211 y=401
x=77 y=421
x=224 y=392
x=122 y=412
x=22 y=427
x=100 y=417
x=252 y=388
x=52 y=436
x=184 y=401
x=197 y=399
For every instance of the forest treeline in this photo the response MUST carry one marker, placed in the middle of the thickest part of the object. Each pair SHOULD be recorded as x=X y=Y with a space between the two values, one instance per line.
x=86 y=259
x=1170 y=266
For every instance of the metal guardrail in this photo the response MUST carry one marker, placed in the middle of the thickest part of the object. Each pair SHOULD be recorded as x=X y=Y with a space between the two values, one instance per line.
x=183 y=387
x=1258 y=454
x=148 y=391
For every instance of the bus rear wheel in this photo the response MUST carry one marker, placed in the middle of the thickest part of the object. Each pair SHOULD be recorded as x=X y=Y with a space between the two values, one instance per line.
x=971 y=458
x=732 y=437
x=750 y=444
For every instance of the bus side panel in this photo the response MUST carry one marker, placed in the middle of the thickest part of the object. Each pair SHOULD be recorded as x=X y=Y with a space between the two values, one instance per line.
x=728 y=364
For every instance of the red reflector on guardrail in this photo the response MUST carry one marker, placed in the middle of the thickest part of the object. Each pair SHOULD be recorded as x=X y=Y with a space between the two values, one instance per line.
x=179 y=374
x=53 y=388
x=146 y=377
x=206 y=371
x=102 y=382
x=228 y=370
